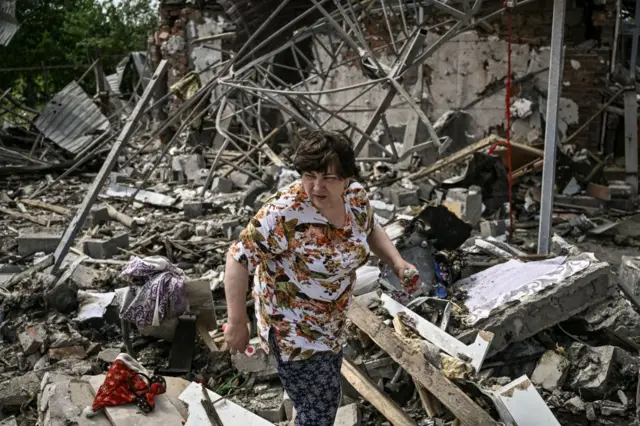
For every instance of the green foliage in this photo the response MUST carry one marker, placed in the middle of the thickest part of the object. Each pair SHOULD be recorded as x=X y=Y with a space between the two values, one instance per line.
x=63 y=36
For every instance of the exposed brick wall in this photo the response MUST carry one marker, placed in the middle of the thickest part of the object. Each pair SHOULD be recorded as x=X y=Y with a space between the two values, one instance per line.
x=532 y=22
x=583 y=86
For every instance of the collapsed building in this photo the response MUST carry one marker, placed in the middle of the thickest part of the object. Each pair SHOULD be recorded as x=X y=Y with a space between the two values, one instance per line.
x=447 y=106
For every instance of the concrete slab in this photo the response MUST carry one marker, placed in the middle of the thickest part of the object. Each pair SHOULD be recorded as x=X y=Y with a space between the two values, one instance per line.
x=541 y=309
x=230 y=413
x=62 y=399
x=165 y=412
x=18 y=391
x=366 y=280
x=193 y=209
x=99 y=216
x=494 y=228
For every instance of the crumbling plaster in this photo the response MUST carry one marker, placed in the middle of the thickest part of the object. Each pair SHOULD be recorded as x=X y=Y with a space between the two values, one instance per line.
x=455 y=76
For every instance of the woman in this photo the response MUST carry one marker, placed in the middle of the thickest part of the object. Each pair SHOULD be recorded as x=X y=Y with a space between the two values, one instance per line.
x=305 y=245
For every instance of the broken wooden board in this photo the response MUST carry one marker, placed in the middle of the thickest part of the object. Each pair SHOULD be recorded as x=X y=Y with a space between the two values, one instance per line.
x=455 y=157
x=463 y=407
x=128 y=415
x=369 y=391
x=474 y=353
x=230 y=413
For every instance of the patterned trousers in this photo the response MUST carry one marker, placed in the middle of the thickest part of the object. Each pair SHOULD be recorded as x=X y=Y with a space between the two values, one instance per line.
x=313 y=385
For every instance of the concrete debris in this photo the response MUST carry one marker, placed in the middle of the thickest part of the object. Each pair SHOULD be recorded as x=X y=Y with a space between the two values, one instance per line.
x=457 y=200
x=35 y=240
x=348 y=415
x=551 y=371
x=576 y=405
x=597 y=369
x=260 y=364
x=19 y=391
x=106 y=248
x=62 y=399
x=32 y=339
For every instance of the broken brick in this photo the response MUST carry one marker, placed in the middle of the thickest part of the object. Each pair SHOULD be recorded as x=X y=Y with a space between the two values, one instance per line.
x=69 y=352
x=33 y=240
x=32 y=339
x=106 y=248
x=222 y=185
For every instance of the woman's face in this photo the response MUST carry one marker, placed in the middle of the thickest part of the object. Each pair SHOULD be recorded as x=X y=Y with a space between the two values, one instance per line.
x=324 y=189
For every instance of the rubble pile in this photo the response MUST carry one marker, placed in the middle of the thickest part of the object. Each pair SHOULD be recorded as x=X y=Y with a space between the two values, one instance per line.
x=114 y=235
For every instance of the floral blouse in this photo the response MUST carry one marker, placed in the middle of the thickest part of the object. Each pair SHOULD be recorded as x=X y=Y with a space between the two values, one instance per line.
x=305 y=268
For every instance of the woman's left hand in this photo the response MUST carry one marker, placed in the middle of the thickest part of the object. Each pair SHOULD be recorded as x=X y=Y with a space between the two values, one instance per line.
x=400 y=267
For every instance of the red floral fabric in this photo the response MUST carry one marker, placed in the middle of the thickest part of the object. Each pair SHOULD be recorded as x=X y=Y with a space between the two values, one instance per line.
x=122 y=386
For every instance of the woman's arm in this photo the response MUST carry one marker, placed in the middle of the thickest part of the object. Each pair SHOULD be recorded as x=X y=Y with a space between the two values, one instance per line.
x=262 y=238
x=236 y=284
x=382 y=246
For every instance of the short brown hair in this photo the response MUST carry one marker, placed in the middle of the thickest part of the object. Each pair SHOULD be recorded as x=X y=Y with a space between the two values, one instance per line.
x=319 y=150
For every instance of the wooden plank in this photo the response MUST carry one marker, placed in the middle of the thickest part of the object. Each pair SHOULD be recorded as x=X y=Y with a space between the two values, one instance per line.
x=431 y=378
x=231 y=414
x=474 y=353
x=455 y=157
x=128 y=415
x=92 y=193
x=46 y=206
x=23 y=216
x=425 y=397
x=369 y=391
x=273 y=156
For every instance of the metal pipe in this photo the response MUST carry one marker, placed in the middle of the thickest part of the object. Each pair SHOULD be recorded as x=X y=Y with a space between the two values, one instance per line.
x=631 y=111
x=551 y=130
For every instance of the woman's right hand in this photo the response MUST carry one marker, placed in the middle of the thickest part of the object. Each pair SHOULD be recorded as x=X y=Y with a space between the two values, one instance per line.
x=237 y=337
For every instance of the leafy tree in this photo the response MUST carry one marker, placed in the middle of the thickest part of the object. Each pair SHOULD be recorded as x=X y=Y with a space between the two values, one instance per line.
x=62 y=36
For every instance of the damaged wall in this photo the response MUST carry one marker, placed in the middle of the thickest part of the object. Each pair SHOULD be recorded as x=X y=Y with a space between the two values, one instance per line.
x=471 y=68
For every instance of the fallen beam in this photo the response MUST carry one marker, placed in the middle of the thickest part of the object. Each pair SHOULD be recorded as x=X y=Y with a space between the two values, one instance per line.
x=92 y=194
x=474 y=353
x=463 y=407
x=43 y=264
x=369 y=391
x=24 y=216
x=455 y=157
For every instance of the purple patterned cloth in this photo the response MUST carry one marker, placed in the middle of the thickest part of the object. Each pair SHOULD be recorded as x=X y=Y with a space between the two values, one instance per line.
x=162 y=296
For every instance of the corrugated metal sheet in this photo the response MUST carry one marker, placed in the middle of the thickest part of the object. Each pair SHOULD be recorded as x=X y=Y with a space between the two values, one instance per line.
x=141 y=65
x=8 y=23
x=71 y=119
x=139 y=62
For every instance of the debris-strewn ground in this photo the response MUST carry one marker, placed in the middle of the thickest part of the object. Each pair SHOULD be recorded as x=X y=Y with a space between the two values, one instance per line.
x=496 y=333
